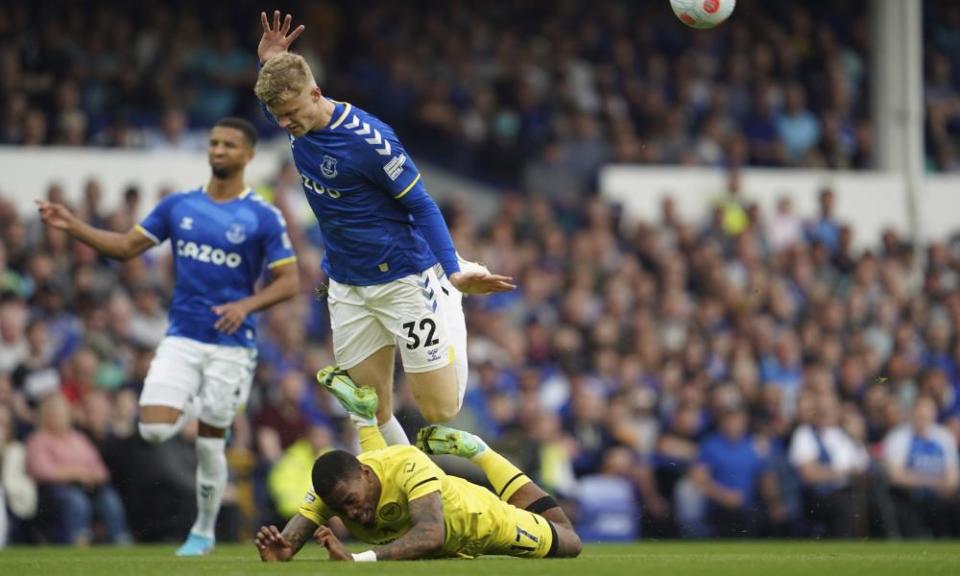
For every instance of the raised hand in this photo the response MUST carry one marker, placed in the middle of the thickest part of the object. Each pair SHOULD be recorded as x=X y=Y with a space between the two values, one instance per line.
x=276 y=39
x=54 y=215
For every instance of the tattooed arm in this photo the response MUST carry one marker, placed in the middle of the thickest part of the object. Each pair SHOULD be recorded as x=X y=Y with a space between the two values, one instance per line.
x=424 y=537
x=277 y=547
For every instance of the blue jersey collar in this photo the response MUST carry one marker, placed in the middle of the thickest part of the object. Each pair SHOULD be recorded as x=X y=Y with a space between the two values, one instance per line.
x=341 y=110
x=246 y=192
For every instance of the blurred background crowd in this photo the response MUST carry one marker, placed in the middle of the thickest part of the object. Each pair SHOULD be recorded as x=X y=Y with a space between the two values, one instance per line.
x=747 y=373
x=496 y=91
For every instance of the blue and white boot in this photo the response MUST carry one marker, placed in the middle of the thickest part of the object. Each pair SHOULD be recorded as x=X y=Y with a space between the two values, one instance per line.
x=196 y=545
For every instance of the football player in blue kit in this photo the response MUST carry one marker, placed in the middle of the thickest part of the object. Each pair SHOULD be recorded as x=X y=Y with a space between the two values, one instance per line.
x=223 y=236
x=396 y=280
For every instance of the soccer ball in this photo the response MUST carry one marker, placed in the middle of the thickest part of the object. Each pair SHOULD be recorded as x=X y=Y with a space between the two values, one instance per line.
x=702 y=13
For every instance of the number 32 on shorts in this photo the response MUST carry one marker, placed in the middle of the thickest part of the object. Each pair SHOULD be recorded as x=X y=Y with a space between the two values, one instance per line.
x=426 y=327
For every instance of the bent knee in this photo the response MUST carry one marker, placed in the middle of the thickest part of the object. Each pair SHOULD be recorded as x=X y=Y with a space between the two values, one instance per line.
x=570 y=545
x=576 y=547
x=436 y=413
x=156 y=432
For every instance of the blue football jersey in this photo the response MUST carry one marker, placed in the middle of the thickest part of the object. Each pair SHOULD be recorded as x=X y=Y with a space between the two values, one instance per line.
x=220 y=250
x=377 y=220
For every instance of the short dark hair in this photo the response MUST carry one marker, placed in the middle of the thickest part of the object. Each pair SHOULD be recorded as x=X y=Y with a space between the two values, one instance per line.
x=332 y=467
x=249 y=132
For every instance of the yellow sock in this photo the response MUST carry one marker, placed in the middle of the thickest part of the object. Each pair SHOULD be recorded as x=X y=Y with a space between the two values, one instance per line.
x=371 y=438
x=505 y=478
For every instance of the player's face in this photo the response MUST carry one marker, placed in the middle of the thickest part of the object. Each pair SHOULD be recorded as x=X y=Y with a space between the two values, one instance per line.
x=298 y=115
x=355 y=499
x=228 y=151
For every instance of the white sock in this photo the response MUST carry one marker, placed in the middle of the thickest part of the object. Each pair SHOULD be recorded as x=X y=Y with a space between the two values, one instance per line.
x=211 y=481
x=361 y=422
x=393 y=433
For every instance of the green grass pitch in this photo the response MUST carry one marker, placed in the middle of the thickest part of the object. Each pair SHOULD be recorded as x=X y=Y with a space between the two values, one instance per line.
x=645 y=558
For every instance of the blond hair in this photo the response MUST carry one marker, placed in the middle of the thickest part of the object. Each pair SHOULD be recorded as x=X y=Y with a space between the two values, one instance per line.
x=284 y=76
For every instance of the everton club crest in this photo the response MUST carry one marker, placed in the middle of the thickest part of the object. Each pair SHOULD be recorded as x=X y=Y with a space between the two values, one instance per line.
x=328 y=167
x=236 y=233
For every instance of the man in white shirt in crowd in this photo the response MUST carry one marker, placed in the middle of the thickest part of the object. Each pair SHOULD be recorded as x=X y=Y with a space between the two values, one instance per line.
x=827 y=460
x=920 y=458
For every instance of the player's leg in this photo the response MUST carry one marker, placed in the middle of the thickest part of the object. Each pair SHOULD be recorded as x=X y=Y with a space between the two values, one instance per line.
x=360 y=404
x=363 y=347
x=533 y=498
x=451 y=309
x=227 y=377
x=376 y=371
x=568 y=541
x=358 y=399
x=504 y=477
x=509 y=483
x=166 y=403
x=421 y=310
x=435 y=393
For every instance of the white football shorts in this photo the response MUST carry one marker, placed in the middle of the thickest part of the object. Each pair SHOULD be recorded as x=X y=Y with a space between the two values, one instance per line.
x=220 y=376
x=421 y=314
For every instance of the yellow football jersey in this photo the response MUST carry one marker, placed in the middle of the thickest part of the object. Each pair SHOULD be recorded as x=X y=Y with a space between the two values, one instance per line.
x=476 y=522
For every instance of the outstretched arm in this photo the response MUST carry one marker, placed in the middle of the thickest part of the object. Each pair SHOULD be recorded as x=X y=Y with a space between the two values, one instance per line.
x=275 y=546
x=429 y=221
x=114 y=244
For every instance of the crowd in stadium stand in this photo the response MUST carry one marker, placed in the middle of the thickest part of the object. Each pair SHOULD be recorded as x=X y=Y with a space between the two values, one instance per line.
x=504 y=93
x=749 y=374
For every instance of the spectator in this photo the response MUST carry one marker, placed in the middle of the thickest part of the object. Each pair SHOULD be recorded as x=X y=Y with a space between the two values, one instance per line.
x=282 y=415
x=173 y=134
x=827 y=461
x=676 y=451
x=921 y=462
x=18 y=492
x=35 y=378
x=13 y=343
x=80 y=376
x=797 y=127
x=733 y=205
x=825 y=229
x=487 y=103
x=605 y=307
x=732 y=470
x=784 y=229
x=73 y=480
x=148 y=320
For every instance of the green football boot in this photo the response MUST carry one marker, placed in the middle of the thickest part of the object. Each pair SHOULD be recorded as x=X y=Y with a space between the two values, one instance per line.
x=437 y=439
x=357 y=400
